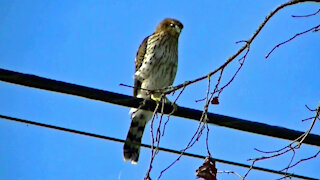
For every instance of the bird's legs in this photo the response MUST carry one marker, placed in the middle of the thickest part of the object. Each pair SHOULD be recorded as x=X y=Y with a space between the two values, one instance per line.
x=157 y=97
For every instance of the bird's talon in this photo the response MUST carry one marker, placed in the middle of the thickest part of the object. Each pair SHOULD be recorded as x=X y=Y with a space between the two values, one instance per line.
x=175 y=107
x=173 y=104
x=155 y=98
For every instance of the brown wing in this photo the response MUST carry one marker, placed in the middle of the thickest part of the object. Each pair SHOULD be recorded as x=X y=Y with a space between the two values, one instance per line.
x=138 y=62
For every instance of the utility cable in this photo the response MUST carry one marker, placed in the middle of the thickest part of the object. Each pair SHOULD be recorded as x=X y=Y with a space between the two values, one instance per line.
x=148 y=146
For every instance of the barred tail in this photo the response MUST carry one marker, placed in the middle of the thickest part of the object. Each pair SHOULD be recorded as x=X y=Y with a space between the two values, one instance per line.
x=131 y=148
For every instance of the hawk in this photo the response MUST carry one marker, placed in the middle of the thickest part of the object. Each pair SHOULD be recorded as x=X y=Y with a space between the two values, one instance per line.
x=155 y=68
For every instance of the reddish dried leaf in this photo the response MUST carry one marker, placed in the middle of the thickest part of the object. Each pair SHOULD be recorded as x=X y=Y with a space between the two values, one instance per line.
x=207 y=170
x=215 y=100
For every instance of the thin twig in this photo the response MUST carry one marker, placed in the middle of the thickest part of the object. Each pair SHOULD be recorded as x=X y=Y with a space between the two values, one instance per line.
x=315 y=28
x=231 y=172
x=249 y=41
x=301 y=160
x=194 y=139
x=147 y=176
x=308 y=15
x=169 y=115
x=295 y=144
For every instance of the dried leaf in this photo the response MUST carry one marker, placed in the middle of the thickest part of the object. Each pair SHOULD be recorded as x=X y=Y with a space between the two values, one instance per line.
x=215 y=100
x=207 y=170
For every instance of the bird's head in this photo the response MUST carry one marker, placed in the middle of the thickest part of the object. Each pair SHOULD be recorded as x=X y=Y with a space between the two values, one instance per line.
x=172 y=26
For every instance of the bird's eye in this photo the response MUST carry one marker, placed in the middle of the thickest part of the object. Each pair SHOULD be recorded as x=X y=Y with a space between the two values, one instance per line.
x=172 y=25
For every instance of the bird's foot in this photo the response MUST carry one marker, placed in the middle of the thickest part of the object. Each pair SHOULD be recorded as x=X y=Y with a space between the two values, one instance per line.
x=169 y=88
x=173 y=104
x=156 y=97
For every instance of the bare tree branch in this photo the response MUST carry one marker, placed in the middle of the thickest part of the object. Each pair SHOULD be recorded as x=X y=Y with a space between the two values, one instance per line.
x=249 y=41
x=296 y=144
x=203 y=120
x=308 y=15
x=315 y=29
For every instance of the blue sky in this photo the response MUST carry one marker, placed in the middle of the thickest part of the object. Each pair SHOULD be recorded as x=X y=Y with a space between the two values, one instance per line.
x=93 y=43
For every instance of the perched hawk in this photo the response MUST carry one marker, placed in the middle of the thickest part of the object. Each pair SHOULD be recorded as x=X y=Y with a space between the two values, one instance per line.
x=155 y=68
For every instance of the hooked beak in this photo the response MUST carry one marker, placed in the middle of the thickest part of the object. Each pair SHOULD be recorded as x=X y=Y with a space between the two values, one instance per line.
x=178 y=29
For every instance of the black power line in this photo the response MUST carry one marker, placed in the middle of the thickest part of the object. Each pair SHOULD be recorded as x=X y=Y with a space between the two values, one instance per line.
x=148 y=146
x=129 y=101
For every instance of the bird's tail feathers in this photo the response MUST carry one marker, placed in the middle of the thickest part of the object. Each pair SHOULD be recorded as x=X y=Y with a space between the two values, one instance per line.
x=131 y=148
